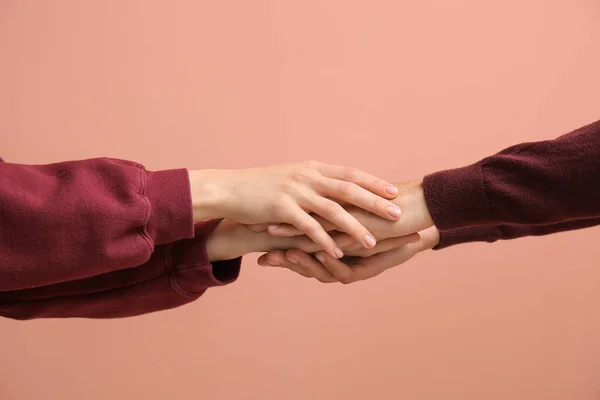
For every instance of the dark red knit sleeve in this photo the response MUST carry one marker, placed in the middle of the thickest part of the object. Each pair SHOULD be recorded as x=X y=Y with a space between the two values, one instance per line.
x=528 y=189
x=492 y=234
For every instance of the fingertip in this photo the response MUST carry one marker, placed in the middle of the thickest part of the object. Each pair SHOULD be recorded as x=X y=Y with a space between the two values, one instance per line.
x=370 y=241
x=332 y=248
x=262 y=260
x=393 y=212
x=321 y=257
x=414 y=238
x=273 y=259
x=390 y=191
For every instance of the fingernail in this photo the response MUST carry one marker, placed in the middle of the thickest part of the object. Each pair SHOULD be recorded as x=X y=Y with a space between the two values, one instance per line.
x=291 y=259
x=393 y=211
x=391 y=190
x=338 y=252
x=370 y=241
x=274 y=263
x=415 y=240
x=321 y=257
x=274 y=226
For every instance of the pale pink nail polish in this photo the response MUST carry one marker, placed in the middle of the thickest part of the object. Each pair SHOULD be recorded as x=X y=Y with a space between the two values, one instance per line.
x=391 y=190
x=370 y=241
x=321 y=257
x=393 y=211
x=274 y=263
x=291 y=259
x=338 y=252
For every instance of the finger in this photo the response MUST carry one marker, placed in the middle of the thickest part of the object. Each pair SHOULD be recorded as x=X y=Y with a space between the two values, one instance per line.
x=307 y=224
x=272 y=259
x=286 y=230
x=337 y=268
x=351 y=193
x=370 y=267
x=277 y=259
x=314 y=267
x=300 y=270
x=341 y=218
x=307 y=245
x=363 y=179
x=383 y=246
x=430 y=238
x=351 y=246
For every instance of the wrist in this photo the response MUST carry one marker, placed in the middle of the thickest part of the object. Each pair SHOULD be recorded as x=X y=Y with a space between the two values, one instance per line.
x=208 y=194
x=222 y=243
x=415 y=215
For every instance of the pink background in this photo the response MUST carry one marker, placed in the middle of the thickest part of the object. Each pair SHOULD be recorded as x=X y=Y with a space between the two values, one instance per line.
x=396 y=87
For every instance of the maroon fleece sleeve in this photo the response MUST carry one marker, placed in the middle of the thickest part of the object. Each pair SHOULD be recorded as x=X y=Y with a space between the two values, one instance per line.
x=73 y=220
x=528 y=189
x=176 y=274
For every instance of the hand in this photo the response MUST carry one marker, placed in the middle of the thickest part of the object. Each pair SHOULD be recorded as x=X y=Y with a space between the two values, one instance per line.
x=377 y=260
x=231 y=240
x=288 y=193
x=415 y=217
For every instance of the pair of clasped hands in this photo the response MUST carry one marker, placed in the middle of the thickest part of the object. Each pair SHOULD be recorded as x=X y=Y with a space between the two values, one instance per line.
x=328 y=222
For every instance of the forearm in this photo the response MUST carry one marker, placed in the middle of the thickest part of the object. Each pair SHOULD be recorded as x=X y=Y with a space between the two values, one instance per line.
x=530 y=189
x=492 y=234
x=540 y=183
x=72 y=220
x=208 y=194
x=175 y=274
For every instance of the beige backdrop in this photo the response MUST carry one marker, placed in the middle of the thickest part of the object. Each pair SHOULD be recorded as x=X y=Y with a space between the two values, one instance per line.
x=400 y=88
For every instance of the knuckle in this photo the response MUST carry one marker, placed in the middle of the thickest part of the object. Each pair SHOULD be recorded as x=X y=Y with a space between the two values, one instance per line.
x=310 y=228
x=379 y=203
x=280 y=200
x=306 y=245
x=333 y=209
x=280 y=207
x=288 y=188
x=301 y=176
x=350 y=173
x=345 y=188
x=311 y=164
